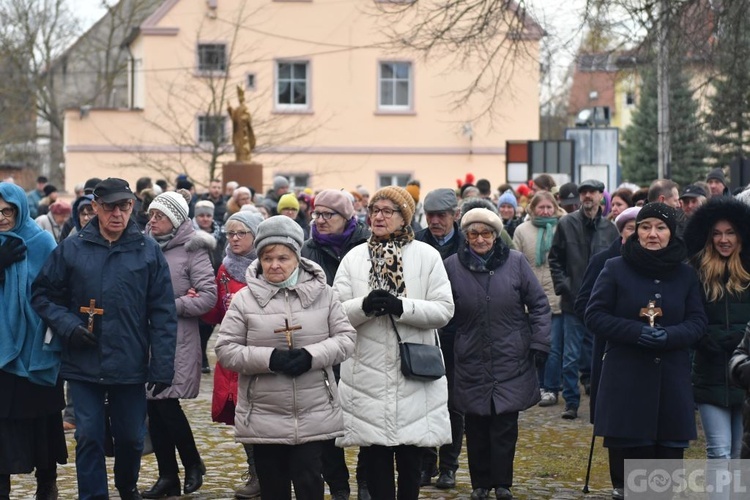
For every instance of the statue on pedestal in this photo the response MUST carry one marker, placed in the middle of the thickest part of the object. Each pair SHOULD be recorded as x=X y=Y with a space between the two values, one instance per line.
x=243 y=137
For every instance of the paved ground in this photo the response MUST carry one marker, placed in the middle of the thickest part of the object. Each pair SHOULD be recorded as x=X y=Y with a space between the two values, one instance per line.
x=550 y=459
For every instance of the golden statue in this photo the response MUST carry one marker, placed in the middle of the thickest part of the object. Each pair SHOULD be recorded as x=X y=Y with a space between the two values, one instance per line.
x=243 y=137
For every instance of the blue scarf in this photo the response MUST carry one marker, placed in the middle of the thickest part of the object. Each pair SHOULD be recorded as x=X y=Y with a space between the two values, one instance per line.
x=22 y=348
x=335 y=241
x=544 y=236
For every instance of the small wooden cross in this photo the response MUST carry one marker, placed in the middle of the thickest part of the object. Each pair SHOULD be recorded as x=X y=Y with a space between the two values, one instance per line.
x=288 y=331
x=92 y=311
x=225 y=281
x=651 y=312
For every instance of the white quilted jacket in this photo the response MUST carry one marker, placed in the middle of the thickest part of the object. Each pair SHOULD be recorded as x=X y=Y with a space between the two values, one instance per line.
x=381 y=406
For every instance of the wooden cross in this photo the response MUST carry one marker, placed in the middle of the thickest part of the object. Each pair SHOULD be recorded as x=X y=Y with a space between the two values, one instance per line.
x=225 y=281
x=651 y=312
x=92 y=311
x=288 y=331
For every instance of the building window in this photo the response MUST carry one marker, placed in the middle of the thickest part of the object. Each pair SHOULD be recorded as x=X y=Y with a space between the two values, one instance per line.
x=212 y=57
x=297 y=181
x=292 y=84
x=593 y=95
x=250 y=81
x=212 y=129
x=630 y=98
x=393 y=180
x=394 y=82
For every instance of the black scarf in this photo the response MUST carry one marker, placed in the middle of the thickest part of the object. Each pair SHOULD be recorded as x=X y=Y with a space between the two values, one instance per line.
x=657 y=264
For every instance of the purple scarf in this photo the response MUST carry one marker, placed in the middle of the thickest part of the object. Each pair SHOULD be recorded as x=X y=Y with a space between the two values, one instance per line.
x=335 y=241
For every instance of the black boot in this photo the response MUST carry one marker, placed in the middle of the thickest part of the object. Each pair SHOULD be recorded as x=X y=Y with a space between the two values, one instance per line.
x=4 y=486
x=130 y=494
x=194 y=477
x=165 y=486
x=46 y=484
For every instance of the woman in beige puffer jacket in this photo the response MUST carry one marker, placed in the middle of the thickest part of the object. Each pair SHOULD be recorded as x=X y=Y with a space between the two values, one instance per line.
x=288 y=399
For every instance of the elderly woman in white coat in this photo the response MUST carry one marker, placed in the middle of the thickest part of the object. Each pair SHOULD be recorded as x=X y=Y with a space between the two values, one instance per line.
x=283 y=333
x=187 y=253
x=392 y=277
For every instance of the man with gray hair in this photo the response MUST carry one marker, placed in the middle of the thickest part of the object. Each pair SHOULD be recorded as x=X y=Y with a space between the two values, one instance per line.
x=443 y=234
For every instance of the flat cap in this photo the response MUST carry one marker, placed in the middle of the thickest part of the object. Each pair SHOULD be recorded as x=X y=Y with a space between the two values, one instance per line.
x=440 y=200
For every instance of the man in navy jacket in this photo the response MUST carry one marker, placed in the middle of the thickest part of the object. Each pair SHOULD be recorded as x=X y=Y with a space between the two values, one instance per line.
x=107 y=293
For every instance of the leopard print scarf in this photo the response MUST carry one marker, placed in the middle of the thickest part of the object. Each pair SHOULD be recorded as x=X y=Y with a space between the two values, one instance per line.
x=387 y=269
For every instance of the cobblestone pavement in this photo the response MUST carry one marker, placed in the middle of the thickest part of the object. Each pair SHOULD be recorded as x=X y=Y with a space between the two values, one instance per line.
x=550 y=463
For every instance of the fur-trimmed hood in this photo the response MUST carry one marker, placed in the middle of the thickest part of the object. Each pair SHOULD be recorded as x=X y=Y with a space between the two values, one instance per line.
x=199 y=240
x=700 y=225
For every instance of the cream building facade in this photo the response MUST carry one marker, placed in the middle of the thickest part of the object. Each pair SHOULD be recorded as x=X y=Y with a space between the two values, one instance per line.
x=333 y=105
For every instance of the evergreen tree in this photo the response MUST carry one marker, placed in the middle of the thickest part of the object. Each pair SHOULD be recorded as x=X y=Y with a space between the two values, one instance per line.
x=639 y=152
x=729 y=118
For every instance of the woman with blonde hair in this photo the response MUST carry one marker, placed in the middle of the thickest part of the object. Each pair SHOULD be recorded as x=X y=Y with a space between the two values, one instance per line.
x=716 y=237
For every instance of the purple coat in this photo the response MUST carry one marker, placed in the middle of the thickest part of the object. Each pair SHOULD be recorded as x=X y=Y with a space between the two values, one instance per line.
x=494 y=333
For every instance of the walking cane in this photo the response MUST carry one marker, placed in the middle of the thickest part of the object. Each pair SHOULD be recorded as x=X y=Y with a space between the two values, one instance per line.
x=588 y=468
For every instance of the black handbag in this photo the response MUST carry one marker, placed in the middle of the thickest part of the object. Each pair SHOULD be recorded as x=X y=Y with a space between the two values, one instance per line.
x=420 y=361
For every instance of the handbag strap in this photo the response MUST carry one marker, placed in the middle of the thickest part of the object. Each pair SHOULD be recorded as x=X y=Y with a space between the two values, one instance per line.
x=393 y=322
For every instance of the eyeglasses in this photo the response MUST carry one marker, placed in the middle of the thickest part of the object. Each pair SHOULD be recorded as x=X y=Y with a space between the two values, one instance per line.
x=237 y=234
x=486 y=235
x=387 y=213
x=124 y=206
x=8 y=212
x=323 y=215
x=87 y=213
x=157 y=216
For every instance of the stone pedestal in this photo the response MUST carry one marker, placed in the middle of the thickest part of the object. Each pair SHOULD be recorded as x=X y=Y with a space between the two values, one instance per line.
x=244 y=173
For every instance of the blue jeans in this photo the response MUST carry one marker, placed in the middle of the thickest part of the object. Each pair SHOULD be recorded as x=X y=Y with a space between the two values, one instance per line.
x=127 y=417
x=573 y=332
x=552 y=380
x=723 y=428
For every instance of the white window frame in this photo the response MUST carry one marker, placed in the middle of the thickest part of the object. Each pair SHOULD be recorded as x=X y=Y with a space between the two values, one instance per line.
x=211 y=71
x=203 y=140
x=296 y=180
x=393 y=81
x=400 y=179
x=279 y=106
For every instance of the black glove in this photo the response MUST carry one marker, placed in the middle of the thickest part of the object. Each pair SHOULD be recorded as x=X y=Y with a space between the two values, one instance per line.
x=369 y=303
x=731 y=341
x=653 y=338
x=11 y=251
x=301 y=362
x=279 y=360
x=387 y=302
x=742 y=374
x=157 y=388
x=82 y=339
x=708 y=345
x=539 y=357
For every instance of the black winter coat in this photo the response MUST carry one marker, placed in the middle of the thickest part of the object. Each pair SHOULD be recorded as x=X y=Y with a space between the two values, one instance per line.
x=130 y=280
x=645 y=394
x=445 y=250
x=742 y=355
x=576 y=240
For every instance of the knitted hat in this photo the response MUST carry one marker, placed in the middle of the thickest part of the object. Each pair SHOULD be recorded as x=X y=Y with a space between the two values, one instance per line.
x=400 y=197
x=287 y=201
x=717 y=174
x=280 y=230
x=249 y=219
x=413 y=190
x=507 y=198
x=660 y=211
x=204 y=207
x=60 y=207
x=484 y=216
x=240 y=190
x=626 y=216
x=280 y=182
x=337 y=201
x=173 y=205
x=440 y=200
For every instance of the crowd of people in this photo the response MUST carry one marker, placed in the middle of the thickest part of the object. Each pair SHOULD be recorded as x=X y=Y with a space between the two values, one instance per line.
x=320 y=302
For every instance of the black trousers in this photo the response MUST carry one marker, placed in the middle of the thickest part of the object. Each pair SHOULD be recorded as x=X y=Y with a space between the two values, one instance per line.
x=280 y=466
x=170 y=430
x=205 y=331
x=654 y=452
x=616 y=467
x=381 y=481
x=335 y=471
x=491 y=448
x=448 y=453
